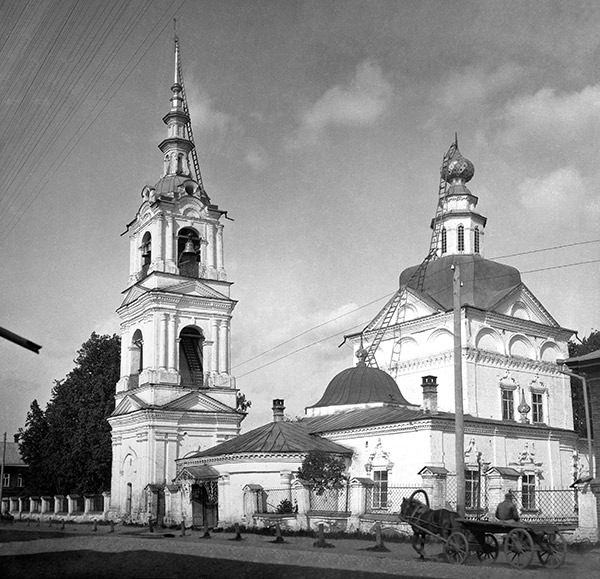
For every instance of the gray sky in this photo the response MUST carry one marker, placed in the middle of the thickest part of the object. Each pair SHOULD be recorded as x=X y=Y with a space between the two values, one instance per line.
x=321 y=128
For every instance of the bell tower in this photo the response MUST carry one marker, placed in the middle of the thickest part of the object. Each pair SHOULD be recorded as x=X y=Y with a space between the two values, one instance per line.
x=176 y=394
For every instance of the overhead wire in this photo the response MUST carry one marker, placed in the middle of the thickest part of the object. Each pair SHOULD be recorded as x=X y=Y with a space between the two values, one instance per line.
x=61 y=107
x=98 y=108
x=347 y=330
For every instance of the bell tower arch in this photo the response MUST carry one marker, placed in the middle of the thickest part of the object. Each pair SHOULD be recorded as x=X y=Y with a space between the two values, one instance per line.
x=176 y=393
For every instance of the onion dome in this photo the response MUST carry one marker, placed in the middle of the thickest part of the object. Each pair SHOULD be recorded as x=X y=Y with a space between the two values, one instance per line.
x=483 y=282
x=459 y=168
x=361 y=385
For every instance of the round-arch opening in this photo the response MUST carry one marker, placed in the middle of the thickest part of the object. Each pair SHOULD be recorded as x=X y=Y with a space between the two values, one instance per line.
x=136 y=359
x=146 y=250
x=191 y=357
x=188 y=251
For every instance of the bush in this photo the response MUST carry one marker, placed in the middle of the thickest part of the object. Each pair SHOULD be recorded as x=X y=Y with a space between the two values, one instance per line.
x=285 y=507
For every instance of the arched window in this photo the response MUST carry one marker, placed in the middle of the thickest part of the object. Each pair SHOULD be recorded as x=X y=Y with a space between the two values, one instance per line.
x=444 y=241
x=146 y=253
x=191 y=359
x=188 y=252
x=476 y=240
x=136 y=363
x=461 y=238
x=179 y=164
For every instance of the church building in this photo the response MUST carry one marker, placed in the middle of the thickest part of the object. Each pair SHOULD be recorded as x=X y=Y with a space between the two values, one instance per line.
x=178 y=454
x=176 y=393
x=392 y=415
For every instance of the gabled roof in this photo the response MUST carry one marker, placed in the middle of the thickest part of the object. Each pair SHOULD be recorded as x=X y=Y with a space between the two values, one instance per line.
x=521 y=293
x=197 y=473
x=275 y=437
x=13 y=455
x=198 y=402
x=191 y=287
x=194 y=401
x=130 y=403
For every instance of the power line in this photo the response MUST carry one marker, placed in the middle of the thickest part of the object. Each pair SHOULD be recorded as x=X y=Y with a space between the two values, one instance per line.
x=372 y=302
x=302 y=348
x=81 y=131
x=307 y=331
x=547 y=248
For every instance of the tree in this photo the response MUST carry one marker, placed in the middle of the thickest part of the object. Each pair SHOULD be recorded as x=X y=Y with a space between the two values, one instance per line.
x=323 y=470
x=587 y=345
x=75 y=455
x=32 y=442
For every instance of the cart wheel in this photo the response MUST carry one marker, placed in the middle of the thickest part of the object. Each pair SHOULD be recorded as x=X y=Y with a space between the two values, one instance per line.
x=490 y=548
x=518 y=548
x=456 y=548
x=553 y=550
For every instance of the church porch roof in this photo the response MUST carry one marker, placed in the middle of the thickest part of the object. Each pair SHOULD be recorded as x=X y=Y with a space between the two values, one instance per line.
x=275 y=437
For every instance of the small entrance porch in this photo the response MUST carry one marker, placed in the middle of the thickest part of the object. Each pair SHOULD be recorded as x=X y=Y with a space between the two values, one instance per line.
x=200 y=490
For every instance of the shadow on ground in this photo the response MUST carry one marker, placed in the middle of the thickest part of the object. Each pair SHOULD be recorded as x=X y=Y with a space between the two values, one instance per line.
x=147 y=564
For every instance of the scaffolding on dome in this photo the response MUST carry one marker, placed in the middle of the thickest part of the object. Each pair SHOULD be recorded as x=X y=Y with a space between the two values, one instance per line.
x=393 y=313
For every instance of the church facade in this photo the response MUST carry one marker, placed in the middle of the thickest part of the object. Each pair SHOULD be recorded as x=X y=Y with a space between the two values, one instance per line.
x=176 y=393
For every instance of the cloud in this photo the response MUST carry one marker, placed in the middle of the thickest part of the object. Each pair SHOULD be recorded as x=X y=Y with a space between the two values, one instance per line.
x=566 y=121
x=473 y=86
x=256 y=158
x=205 y=116
x=358 y=103
x=562 y=196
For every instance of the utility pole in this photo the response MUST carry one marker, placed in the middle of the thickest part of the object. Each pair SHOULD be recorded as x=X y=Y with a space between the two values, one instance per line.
x=459 y=425
x=2 y=469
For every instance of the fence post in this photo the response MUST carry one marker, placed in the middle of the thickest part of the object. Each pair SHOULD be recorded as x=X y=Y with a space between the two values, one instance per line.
x=321 y=543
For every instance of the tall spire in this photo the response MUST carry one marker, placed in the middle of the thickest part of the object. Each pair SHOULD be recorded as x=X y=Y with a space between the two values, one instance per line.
x=177 y=146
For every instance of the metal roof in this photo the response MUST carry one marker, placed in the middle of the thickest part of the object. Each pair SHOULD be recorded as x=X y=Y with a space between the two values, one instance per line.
x=392 y=414
x=364 y=417
x=484 y=282
x=13 y=455
x=361 y=385
x=275 y=437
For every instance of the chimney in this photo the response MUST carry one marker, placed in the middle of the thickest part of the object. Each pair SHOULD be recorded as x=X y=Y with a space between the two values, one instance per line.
x=429 y=386
x=278 y=409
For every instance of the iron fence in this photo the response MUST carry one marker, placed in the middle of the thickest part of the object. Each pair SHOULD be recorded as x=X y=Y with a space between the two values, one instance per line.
x=330 y=500
x=280 y=501
x=476 y=496
x=548 y=506
x=387 y=498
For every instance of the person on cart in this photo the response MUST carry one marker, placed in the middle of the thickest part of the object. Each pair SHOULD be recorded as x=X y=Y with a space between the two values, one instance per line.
x=507 y=510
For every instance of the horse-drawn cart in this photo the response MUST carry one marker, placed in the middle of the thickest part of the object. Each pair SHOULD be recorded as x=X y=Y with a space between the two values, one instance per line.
x=462 y=536
x=521 y=541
